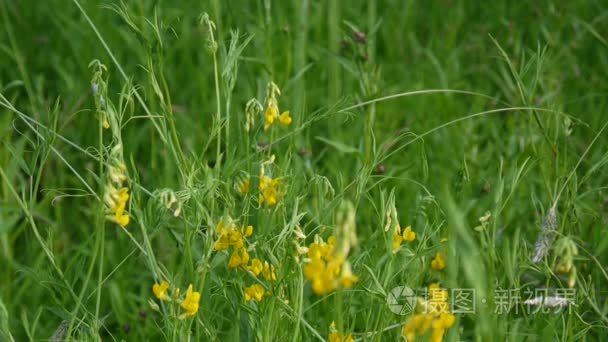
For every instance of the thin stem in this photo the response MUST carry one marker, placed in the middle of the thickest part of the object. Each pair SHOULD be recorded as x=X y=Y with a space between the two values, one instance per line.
x=580 y=160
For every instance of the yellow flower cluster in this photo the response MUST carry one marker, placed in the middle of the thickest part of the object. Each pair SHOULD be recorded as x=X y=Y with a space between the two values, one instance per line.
x=233 y=237
x=272 y=109
x=327 y=268
x=258 y=267
x=436 y=317
x=264 y=269
x=335 y=336
x=439 y=262
x=269 y=190
x=190 y=302
x=116 y=195
x=255 y=292
x=399 y=236
x=116 y=200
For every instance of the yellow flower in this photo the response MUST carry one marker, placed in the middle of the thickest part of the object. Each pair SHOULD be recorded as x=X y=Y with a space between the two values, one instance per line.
x=116 y=200
x=438 y=263
x=160 y=290
x=326 y=269
x=347 y=279
x=399 y=236
x=285 y=118
x=255 y=292
x=269 y=190
x=397 y=239
x=272 y=108
x=268 y=272
x=434 y=319
x=272 y=111
x=106 y=123
x=191 y=301
x=335 y=336
x=256 y=266
x=446 y=320
x=239 y=257
x=231 y=236
x=408 y=234
x=244 y=186
x=248 y=231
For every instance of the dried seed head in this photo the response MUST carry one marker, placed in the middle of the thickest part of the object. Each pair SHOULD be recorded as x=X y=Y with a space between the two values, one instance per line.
x=360 y=37
x=545 y=239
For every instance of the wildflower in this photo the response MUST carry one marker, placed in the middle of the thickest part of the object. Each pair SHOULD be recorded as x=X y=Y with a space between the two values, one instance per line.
x=268 y=272
x=408 y=234
x=347 y=278
x=435 y=317
x=398 y=237
x=231 y=236
x=269 y=190
x=244 y=186
x=160 y=290
x=255 y=292
x=327 y=268
x=256 y=267
x=285 y=118
x=116 y=195
x=272 y=111
x=335 y=336
x=272 y=108
x=116 y=201
x=438 y=263
x=566 y=250
x=191 y=302
x=239 y=257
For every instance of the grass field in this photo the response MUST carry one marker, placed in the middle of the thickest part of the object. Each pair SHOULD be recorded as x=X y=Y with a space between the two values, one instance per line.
x=303 y=171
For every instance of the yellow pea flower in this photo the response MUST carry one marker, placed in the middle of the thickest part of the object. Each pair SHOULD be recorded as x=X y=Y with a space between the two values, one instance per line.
x=272 y=111
x=160 y=290
x=348 y=279
x=269 y=190
x=239 y=257
x=256 y=267
x=244 y=186
x=190 y=304
x=285 y=118
x=268 y=272
x=335 y=336
x=408 y=234
x=255 y=292
x=438 y=263
x=116 y=200
x=397 y=240
x=248 y=231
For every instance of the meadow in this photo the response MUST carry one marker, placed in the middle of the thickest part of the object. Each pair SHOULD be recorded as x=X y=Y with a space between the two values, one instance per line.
x=303 y=171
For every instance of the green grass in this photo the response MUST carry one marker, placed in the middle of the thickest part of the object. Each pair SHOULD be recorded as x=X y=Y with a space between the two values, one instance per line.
x=433 y=114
